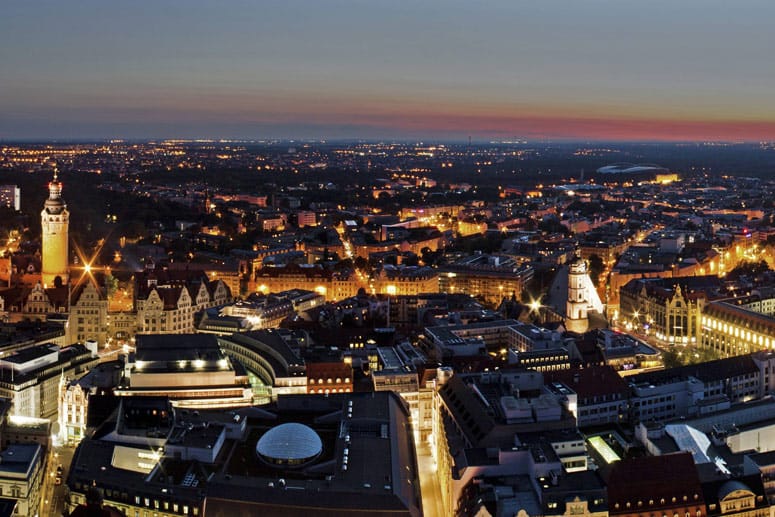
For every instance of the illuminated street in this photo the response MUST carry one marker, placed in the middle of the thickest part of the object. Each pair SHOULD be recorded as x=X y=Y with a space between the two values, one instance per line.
x=429 y=482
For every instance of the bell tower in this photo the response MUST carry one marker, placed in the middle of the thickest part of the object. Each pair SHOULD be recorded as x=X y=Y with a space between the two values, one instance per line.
x=582 y=297
x=54 y=221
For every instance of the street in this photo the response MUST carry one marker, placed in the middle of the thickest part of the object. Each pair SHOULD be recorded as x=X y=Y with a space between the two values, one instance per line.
x=429 y=482
x=52 y=496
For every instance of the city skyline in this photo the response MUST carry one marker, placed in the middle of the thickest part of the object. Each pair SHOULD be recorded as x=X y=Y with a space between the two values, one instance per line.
x=596 y=70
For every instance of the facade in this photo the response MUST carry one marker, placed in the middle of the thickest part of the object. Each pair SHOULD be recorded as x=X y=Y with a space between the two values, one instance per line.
x=581 y=494
x=334 y=285
x=656 y=485
x=405 y=281
x=733 y=330
x=11 y=196
x=471 y=339
x=88 y=319
x=763 y=464
x=55 y=220
x=271 y=357
x=21 y=476
x=737 y=496
x=489 y=277
x=166 y=301
x=692 y=391
x=596 y=395
x=547 y=360
x=396 y=371
x=73 y=407
x=30 y=378
x=191 y=369
x=329 y=377
x=625 y=352
x=665 y=308
x=34 y=303
x=74 y=398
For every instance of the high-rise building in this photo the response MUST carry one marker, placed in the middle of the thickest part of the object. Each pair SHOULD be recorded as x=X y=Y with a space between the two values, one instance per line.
x=54 y=224
x=11 y=196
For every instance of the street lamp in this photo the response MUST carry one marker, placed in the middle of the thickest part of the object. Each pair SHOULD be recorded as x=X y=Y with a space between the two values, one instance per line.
x=636 y=320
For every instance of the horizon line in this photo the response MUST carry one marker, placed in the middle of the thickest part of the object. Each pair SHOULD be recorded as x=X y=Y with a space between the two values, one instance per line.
x=375 y=140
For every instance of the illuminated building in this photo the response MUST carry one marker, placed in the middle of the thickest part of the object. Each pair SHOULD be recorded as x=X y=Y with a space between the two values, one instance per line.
x=37 y=303
x=257 y=312
x=649 y=262
x=582 y=298
x=329 y=377
x=11 y=196
x=123 y=460
x=691 y=390
x=668 y=309
x=167 y=299
x=406 y=280
x=656 y=485
x=490 y=277
x=397 y=372
x=732 y=330
x=595 y=396
x=306 y=218
x=334 y=285
x=472 y=226
x=739 y=496
x=191 y=369
x=271 y=359
x=74 y=398
x=428 y=211
x=30 y=377
x=471 y=339
x=54 y=239
x=21 y=476
x=303 y=455
x=494 y=422
x=88 y=317
x=625 y=352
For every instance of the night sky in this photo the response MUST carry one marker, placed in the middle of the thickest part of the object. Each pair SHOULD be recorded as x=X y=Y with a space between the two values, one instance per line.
x=560 y=69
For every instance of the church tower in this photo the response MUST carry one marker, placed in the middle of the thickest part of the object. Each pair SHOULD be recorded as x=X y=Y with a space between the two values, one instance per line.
x=54 y=222
x=582 y=297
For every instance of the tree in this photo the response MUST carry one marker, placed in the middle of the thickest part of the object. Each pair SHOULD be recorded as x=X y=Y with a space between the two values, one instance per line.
x=111 y=285
x=596 y=268
x=671 y=359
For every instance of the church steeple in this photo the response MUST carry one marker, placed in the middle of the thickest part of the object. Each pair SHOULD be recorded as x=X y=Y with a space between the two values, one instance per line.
x=582 y=297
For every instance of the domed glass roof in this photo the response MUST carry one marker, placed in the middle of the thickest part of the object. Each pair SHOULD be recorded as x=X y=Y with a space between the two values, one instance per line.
x=289 y=444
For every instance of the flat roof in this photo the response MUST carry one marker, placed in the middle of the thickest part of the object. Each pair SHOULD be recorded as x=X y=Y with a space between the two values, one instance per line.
x=177 y=347
x=17 y=458
x=32 y=353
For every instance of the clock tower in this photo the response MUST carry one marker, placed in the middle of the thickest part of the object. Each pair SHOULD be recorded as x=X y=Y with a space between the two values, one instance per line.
x=55 y=220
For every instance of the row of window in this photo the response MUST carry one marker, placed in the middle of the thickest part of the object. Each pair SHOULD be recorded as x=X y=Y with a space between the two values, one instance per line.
x=329 y=380
x=673 y=500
